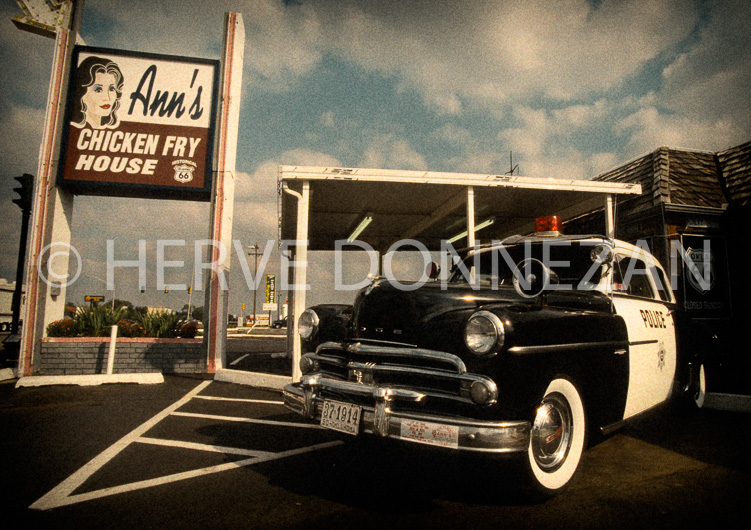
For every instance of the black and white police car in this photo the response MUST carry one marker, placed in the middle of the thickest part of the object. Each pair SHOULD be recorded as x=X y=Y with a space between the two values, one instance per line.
x=529 y=346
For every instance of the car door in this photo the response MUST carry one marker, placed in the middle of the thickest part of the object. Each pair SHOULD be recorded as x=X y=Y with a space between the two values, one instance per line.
x=647 y=312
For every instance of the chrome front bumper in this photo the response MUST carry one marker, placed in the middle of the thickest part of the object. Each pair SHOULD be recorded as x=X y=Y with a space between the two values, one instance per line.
x=464 y=434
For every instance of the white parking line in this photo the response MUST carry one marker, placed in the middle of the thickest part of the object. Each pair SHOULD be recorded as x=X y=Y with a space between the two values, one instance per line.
x=66 y=487
x=239 y=400
x=204 y=447
x=247 y=420
x=133 y=486
x=62 y=495
x=239 y=359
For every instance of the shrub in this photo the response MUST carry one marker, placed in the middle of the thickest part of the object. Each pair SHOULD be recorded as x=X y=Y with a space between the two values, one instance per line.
x=160 y=324
x=97 y=321
x=130 y=328
x=62 y=328
x=188 y=330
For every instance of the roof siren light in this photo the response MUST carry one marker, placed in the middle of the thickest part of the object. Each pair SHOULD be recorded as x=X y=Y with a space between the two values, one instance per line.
x=548 y=225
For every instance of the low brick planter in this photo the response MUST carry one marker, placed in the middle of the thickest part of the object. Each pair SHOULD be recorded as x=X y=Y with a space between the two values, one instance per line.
x=88 y=355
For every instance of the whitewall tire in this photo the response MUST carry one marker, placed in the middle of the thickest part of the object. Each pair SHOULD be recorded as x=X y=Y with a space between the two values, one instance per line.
x=557 y=439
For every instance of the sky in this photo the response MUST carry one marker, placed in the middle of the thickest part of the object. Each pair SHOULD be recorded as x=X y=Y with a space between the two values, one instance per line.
x=572 y=88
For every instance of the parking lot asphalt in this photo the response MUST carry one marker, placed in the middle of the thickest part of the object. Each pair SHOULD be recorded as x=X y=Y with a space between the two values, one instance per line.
x=195 y=453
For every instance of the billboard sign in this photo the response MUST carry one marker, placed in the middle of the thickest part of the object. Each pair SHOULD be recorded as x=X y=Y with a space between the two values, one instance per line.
x=139 y=125
x=269 y=303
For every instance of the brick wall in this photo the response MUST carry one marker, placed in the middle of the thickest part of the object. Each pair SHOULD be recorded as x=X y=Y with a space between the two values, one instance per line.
x=88 y=355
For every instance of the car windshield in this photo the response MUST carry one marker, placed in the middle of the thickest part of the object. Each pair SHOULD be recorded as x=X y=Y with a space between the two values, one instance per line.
x=571 y=263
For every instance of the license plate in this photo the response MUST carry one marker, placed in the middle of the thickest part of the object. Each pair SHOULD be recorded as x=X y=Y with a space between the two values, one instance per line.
x=342 y=417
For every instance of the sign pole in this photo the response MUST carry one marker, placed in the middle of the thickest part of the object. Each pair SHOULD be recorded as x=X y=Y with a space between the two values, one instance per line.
x=223 y=192
x=52 y=215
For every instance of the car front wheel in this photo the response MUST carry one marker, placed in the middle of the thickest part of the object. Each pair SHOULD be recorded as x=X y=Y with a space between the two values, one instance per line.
x=557 y=439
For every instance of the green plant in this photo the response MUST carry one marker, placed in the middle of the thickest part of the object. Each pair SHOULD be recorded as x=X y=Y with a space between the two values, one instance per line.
x=97 y=321
x=62 y=328
x=160 y=324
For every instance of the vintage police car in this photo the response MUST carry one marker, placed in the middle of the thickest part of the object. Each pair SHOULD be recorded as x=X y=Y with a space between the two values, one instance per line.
x=529 y=345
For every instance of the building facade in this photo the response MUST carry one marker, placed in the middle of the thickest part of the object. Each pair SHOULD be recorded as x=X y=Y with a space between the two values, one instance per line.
x=695 y=204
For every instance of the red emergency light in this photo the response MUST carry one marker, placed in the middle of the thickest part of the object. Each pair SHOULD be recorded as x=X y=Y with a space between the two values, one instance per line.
x=548 y=225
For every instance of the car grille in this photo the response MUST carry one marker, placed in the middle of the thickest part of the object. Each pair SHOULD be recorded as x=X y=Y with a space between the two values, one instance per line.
x=442 y=377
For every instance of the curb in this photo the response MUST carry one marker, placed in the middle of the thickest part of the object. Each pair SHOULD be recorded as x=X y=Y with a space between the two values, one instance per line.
x=730 y=402
x=270 y=381
x=90 y=380
x=7 y=373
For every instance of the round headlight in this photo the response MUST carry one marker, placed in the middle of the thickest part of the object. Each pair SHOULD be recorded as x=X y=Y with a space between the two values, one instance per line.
x=308 y=324
x=483 y=333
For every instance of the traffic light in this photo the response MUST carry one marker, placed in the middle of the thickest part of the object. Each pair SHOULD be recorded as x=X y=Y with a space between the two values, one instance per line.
x=243 y=306
x=25 y=191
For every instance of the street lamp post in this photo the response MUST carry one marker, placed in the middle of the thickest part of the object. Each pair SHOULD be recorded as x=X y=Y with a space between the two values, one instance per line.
x=254 y=252
x=107 y=284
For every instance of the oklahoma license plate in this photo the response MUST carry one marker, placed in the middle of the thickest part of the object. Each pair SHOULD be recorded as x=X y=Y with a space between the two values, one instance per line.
x=342 y=417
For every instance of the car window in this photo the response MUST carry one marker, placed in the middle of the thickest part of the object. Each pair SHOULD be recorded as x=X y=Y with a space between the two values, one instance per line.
x=631 y=276
x=571 y=264
x=663 y=286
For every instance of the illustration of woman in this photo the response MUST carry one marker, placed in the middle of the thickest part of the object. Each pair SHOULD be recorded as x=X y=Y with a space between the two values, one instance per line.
x=99 y=86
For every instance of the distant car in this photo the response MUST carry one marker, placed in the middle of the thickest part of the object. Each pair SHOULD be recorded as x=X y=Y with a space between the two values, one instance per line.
x=279 y=324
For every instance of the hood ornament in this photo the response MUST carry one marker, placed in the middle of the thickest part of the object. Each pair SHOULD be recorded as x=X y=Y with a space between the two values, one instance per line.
x=374 y=280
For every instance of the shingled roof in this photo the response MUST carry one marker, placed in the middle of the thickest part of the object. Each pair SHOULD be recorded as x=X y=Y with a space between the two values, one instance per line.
x=686 y=177
x=735 y=165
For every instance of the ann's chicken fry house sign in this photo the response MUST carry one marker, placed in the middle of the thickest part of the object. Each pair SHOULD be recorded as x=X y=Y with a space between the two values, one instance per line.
x=139 y=125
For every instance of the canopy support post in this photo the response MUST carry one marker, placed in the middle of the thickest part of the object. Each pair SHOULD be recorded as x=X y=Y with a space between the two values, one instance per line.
x=470 y=217
x=299 y=287
x=609 y=217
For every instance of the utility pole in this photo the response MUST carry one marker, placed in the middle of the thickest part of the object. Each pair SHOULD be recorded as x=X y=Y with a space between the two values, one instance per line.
x=254 y=252
x=190 y=290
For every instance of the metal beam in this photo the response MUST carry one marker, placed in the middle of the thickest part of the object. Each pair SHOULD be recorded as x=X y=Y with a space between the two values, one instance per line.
x=461 y=179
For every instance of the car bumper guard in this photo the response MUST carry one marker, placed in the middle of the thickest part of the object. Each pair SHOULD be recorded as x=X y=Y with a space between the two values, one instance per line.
x=464 y=434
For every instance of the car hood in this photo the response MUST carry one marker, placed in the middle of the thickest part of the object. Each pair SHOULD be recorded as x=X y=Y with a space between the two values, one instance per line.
x=385 y=311
x=431 y=315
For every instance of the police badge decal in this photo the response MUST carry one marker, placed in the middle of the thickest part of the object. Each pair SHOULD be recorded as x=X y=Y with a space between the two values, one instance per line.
x=184 y=170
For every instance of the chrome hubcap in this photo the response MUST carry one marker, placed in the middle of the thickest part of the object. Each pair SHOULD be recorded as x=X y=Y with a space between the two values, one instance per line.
x=552 y=432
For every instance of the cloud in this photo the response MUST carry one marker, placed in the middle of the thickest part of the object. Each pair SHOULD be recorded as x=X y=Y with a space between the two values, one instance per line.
x=543 y=142
x=708 y=86
x=493 y=52
x=328 y=120
x=19 y=148
x=256 y=193
x=648 y=129
x=386 y=151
